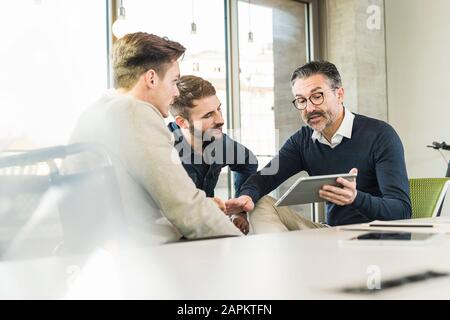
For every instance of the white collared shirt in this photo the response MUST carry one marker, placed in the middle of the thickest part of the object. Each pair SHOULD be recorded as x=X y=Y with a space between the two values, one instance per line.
x=345 y=130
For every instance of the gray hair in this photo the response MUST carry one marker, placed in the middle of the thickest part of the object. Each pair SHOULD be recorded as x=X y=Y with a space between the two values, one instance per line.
x=324 y=68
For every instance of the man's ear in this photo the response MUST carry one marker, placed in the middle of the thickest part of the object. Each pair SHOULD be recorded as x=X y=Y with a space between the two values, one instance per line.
x=182 y=122
x=340 y=95
x=151 y=78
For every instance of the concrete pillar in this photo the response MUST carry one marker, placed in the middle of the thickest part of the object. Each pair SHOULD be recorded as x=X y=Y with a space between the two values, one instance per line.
x=355 y=42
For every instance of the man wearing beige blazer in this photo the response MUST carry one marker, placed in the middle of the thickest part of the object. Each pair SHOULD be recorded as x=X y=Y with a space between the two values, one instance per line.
x=160 y=201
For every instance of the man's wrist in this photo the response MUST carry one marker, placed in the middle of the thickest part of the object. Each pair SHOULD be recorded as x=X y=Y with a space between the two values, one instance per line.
x=248 y=193
x=246 y=197
x=357 y=202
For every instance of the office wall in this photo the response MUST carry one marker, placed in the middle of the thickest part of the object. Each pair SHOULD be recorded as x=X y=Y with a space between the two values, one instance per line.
x=418 y=71
x=353 y=39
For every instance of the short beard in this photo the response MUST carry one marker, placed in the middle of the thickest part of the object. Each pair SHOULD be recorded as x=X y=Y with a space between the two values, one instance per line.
x=196 y=134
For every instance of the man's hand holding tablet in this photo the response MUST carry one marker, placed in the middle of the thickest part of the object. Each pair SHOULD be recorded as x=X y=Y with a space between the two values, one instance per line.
x=342 y=196
x=336 y=188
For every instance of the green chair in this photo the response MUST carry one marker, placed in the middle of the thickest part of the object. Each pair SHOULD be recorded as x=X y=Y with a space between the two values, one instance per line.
x=427 y=196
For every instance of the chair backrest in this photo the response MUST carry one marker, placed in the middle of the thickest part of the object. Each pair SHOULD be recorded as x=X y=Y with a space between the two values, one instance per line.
x=86 y=200
x=427 y=196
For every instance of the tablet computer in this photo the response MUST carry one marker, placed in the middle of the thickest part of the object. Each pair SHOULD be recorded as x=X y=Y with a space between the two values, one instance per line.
x=306 y=189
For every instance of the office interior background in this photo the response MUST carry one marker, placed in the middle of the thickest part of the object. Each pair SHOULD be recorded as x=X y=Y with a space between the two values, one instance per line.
x=393 y=55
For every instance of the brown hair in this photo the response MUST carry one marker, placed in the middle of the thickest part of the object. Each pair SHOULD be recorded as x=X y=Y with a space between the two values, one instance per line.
x=136 y=53
x=191 y=88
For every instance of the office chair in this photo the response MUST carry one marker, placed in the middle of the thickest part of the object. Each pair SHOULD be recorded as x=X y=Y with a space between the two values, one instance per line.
x=81 y=197
x=427 y=196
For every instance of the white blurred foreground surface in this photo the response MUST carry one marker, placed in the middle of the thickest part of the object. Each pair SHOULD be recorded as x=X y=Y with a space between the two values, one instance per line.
x=294 y=265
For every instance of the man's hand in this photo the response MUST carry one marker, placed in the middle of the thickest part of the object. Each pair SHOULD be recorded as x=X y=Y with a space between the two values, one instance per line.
x=238 y=205
x=220 y=203
x=341 y=196
x=240 y=221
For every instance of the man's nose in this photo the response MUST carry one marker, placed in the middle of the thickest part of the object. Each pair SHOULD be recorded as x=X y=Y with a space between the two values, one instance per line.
x=218 y=118
x=310 y=107
x=176 y=92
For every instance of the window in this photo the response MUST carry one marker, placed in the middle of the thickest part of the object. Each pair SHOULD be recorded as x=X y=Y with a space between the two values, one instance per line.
x=53 y=63
x=272 y=44
x=205 y=49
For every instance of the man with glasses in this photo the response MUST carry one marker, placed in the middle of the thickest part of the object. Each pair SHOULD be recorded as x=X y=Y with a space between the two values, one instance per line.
x=334 y=141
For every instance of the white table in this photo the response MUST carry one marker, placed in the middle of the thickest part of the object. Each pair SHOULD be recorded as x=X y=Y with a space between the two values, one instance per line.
x=294 y=265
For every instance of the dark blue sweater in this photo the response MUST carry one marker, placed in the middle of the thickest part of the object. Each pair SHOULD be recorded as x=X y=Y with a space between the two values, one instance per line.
x=375 y=150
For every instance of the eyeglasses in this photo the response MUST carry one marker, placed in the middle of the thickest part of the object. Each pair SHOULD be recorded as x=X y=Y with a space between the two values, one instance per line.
x=316 y=99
